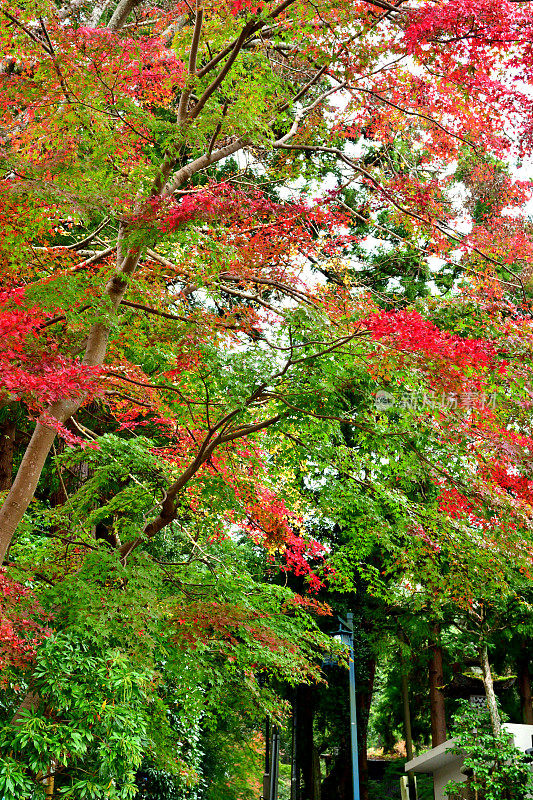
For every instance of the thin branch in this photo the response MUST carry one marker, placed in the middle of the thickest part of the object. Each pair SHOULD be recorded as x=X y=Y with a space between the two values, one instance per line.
x=90 y=237
x=93 y=260
x=415 y=114
x=247 y=29
x=257 y=27
x=246 y=430
x=158 y=386
x=162 y=260
x=168 y=509
x=186 y=93
x=217 y=130
x=246 y=296
x=155 y=311
x=304 y=89
x=357 y=168
x=384 y=5
x=281 y=287
x=303 y=113
x=61 y=318
x=28 y=32
x=338 y=343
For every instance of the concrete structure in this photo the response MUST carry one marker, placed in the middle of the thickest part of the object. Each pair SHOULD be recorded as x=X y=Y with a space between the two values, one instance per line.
x=439 y=762
x=446 y=766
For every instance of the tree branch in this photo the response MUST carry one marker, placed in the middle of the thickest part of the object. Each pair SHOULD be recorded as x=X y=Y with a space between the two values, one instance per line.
x=247 y=29
x=415 y=114
x=186 y=172
x=184 y=99
x=121 y=14
x=155 y=311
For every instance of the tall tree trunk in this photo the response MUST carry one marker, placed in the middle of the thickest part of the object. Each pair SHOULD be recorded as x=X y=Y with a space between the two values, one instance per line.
x=25 y=483
x=338 y=783
x=489 y=691
x=304 y=739
x=364 y=700
x=295 y=768
x=524 y=685
x=436 y=698
x=317 y=778
x=409 y=750
x=7 y=444
x=406 y=715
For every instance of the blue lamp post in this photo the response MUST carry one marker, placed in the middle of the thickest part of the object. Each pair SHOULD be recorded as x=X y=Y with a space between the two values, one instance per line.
x=345 y=635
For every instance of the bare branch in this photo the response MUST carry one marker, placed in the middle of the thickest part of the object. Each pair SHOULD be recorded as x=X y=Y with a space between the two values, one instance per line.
x=247 y=29
x=155 y=311
x=121 y=14
x=186 y=172
x=184 y=99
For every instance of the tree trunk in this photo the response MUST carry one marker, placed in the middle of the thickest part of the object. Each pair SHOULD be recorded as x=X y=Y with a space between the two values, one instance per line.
x=317 y=778
x=7 y=443
x=295 y=768
x=406 y=716
x=364 y=700
x=121 y=14
x=436 y=698
x=409 y=750
x=25 y=483
x=489 y=691
x=337 y=785
x=30 y=701
x=304 y=740
x=524 y=685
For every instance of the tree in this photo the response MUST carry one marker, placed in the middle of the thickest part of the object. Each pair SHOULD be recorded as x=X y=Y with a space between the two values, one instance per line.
x=152 y=227
x=495 y=765
x=165 y=143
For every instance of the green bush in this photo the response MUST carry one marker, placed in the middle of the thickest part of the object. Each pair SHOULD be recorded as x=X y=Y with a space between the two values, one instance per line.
x=499 y=771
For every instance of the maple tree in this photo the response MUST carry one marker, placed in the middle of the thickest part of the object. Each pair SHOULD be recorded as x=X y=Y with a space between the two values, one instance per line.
x=191 y=321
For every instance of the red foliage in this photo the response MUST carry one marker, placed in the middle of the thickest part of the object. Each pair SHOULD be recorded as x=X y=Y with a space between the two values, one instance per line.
x=31 y=367
x=449 y=360
x=23 y=625
x=408 y=330
x=224 y=624
x=272 y=524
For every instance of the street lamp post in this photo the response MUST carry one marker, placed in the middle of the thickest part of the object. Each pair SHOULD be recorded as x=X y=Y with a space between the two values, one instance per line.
x=345 y=635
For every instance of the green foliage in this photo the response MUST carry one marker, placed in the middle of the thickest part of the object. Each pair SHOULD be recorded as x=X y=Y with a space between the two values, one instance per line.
x=499 y=770
x=140 y=679
x=386 y=724
x=161 y=662
x=233 y=761
x=389 y=785
x=91 y=714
